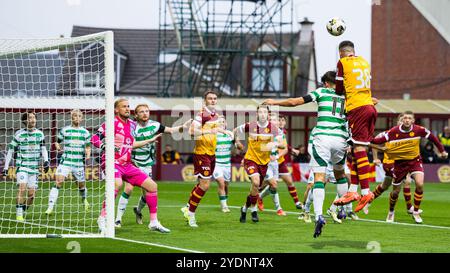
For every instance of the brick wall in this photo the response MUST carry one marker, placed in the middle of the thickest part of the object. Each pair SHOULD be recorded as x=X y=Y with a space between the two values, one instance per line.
x=408 y=54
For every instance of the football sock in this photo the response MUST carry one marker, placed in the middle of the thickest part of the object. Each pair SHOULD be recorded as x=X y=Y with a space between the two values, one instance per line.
x=122 y=206
x=309 y=201
x=264 y=192
x=151 y=198
x=392 y=201
x=363 y=170
x=293 y=192
x=319 y=196
x=378 y=191
x=407 y=195
x=53 y=196
x=141 y=204
x=275 y=198
x=223 y=200
x=196 y=197
x=83 y=193
x=418 y=195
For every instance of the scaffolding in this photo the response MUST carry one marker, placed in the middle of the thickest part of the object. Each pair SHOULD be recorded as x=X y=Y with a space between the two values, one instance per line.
x=210 y=44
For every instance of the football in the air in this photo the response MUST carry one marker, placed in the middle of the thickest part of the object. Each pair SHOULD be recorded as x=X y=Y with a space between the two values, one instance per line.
x=336 y=26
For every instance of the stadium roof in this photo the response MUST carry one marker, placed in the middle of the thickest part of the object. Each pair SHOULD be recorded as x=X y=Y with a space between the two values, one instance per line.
x=187 y=104
x=436 y=12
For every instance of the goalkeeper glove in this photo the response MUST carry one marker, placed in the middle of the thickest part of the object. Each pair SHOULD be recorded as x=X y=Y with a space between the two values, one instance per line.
x=46 y=166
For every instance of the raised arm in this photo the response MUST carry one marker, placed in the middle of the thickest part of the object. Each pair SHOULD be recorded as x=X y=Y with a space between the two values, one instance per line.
x=291 y=102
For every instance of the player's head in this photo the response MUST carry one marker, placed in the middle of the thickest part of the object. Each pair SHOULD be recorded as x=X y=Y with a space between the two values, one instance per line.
x=168 y=148
x=222 y=122
x=142 y=112
x=447 y=130
x=282 y=121
x=346 y=48
x=329 y=79
x=262 y=113
x=77 y=117
x=399 y=119
x=122 y=108
x=408 y=119
x=29 y=119
x=274 y=119
x=210 y=98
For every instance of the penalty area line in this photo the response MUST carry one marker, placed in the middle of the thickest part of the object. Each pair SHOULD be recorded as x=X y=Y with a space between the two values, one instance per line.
x=158 y=245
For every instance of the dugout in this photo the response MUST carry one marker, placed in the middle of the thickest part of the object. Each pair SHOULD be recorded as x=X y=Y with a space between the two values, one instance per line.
x=54 y=113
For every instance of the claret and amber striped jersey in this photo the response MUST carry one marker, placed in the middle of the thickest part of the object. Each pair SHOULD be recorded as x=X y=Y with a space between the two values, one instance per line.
x=354 y=71
x=387 y=145
x=206 y=143
x=405 y=145
x=258 y=138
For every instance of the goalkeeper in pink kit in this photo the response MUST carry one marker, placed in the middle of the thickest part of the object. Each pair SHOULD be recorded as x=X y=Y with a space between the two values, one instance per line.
x=123 y=167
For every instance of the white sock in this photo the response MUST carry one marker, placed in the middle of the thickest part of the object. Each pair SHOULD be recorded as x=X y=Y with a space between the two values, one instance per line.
x=223 y=201
x=319 y=196
x=19 y=210
x=333 y=207
x=275 y=198
x=364 y=191
x=252 y=208
x=353 y=188
x=349 y=207
x=54 y=192
x=121 y=207
x=264 y=192
x=141 y=204
x=309 y=201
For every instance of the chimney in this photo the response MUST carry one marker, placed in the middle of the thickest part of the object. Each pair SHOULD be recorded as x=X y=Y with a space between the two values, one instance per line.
x=305 y=32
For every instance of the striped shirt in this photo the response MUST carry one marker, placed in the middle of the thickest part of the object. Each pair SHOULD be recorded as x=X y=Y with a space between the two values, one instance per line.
x=224 y=143
x=145 y=156
x=75 y=140
x=28 y=145
x=331 y=119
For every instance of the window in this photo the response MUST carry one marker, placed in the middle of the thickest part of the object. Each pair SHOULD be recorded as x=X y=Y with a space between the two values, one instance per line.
x=90 y=81
x=267 y=75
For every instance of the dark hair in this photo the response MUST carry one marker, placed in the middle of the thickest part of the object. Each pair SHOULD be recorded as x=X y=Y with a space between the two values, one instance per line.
x=24 y=117
x=329 y=76
x=282 y=116
x=346 y=44
x=209 y=91
x=263 y=106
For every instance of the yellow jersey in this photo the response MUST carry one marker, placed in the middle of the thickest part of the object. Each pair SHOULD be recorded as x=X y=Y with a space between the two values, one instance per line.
x=354 y=71
x=258 y=138
x=206 y=143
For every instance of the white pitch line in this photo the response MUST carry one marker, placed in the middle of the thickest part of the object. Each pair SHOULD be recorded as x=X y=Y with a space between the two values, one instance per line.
x=365 y=220
x=158 y=245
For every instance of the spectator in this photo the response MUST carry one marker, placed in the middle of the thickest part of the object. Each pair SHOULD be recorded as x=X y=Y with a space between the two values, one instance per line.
x=170 y=156
x=428 y=154
x=444 y=138
x=301 y=155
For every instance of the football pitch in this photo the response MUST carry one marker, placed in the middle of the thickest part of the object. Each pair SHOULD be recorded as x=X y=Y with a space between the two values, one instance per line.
x=220 y=232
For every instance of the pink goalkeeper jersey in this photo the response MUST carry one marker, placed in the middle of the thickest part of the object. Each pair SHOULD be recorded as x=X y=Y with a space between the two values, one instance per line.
x=123 y=140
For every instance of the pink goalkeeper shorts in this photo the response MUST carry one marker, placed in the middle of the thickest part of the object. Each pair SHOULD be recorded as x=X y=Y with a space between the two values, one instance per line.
x=130 y=174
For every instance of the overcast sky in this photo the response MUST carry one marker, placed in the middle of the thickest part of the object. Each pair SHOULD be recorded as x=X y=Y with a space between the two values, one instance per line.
x=51 y=18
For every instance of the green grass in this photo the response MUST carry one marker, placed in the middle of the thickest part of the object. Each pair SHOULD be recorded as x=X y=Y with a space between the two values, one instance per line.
x=219 y=232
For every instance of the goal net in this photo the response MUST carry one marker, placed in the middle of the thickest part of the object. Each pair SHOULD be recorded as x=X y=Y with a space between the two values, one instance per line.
x=54 y=95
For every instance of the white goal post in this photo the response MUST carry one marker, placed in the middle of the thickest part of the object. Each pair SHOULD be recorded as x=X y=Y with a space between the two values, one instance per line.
x=53 y=185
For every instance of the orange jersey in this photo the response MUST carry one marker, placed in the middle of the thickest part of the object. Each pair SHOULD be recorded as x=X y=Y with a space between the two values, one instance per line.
x=258 y=138
x=354 y=71
x=405 y=145
x=206 y=143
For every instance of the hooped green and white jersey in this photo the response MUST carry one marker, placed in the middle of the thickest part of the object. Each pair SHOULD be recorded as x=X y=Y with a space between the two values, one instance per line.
x=224 y=143
x=145 y=156
x=331 y=119
x=28 y=146
x=282 y=137
x=74 y=140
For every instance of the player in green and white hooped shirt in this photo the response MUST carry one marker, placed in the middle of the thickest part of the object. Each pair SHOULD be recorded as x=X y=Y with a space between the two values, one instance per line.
x=74 y=141
x=272 y=174
x=144 y=157
x=329 y=139
x=222 y=169
x=29 y=144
